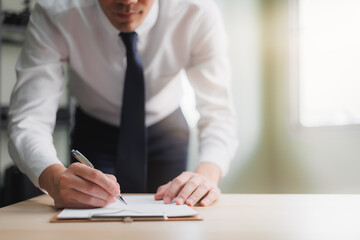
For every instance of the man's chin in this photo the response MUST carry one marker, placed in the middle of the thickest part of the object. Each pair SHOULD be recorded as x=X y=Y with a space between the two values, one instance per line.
x=127 y=27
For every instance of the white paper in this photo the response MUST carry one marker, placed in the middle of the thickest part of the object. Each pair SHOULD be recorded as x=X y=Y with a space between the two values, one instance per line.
x=137 y=206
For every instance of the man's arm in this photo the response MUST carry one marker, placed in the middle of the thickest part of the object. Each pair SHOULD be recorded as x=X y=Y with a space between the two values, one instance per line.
x=209 y=74
x=35 y=97
x=33 y=105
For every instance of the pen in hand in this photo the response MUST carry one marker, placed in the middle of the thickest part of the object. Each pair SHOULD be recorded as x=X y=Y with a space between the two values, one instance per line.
x=81 y=158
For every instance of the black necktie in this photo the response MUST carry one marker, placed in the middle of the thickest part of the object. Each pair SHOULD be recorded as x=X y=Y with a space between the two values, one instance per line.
x=131 y=165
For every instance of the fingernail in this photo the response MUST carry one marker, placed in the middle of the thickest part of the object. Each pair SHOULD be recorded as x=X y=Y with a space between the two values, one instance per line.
x=180 y=200
x=205 y=202
x=190 y=201
x=167 y=200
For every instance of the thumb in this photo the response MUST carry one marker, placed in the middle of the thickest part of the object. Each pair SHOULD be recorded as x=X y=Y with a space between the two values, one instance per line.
x=160 y=193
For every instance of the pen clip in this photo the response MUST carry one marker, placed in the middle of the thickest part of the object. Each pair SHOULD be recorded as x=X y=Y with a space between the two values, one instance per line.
x=81 y=158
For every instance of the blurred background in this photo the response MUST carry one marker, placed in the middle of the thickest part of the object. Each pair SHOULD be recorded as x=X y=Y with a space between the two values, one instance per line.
x=296 y=88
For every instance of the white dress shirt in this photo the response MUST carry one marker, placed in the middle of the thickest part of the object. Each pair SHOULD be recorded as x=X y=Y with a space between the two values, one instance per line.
x=176 y=36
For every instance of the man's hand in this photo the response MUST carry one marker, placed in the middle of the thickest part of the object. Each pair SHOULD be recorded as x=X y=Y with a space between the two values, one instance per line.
x=79 y=186
x=192 y=187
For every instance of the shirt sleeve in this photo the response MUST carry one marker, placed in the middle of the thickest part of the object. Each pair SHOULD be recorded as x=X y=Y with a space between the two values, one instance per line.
x=35 y=97
x=210 y=75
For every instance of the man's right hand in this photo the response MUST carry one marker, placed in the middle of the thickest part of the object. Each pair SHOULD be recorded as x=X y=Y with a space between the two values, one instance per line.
x=79 y=186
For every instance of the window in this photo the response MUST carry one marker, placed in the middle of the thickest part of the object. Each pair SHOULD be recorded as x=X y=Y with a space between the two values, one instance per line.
x=328 y=61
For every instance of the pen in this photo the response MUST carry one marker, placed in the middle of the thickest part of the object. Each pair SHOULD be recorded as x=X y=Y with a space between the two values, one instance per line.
x=81 y=158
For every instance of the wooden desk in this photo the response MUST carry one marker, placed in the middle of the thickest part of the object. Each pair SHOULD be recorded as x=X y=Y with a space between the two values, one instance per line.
x=320 y=217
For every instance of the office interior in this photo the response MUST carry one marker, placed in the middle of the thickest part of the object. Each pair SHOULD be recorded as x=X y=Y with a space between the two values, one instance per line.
x=280 y=150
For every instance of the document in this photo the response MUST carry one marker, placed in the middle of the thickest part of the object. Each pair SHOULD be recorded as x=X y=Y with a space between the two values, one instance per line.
x=138 y=206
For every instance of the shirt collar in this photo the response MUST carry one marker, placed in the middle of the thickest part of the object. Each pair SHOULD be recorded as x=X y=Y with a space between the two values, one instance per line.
x=142 y=30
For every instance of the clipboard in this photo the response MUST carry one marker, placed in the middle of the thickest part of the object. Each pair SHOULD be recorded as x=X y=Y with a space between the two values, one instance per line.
x=54 y=219
x=140 y=208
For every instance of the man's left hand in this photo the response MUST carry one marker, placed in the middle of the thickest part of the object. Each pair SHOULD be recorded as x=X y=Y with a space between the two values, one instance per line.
x=193 y=187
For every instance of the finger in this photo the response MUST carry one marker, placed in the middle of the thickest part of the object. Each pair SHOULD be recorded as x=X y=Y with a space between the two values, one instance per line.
x=96 y=177
x=176 y=186
x=212 y=196
x=114 y=179
x=200 y=192
x=84 y=186
x=161 y=191
x=111 y=177
x=188 y=189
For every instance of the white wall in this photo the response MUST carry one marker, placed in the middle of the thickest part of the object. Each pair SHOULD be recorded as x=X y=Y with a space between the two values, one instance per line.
x=309 y=160
x=15 y=4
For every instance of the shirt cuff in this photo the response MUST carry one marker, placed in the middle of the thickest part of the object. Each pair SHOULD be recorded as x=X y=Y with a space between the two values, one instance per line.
x=33 y=167
x=217 y=156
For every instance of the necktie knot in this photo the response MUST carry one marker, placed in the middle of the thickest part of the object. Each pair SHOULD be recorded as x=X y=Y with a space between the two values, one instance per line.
x=130 y=40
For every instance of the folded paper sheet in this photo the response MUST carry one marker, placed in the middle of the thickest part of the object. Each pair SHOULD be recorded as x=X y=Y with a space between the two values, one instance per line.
x=138 y=206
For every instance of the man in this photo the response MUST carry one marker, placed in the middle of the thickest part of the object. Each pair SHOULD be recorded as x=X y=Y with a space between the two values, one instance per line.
x=126 y=59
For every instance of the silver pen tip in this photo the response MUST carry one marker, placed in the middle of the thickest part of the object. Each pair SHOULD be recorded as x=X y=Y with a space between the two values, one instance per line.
x=121 y=199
